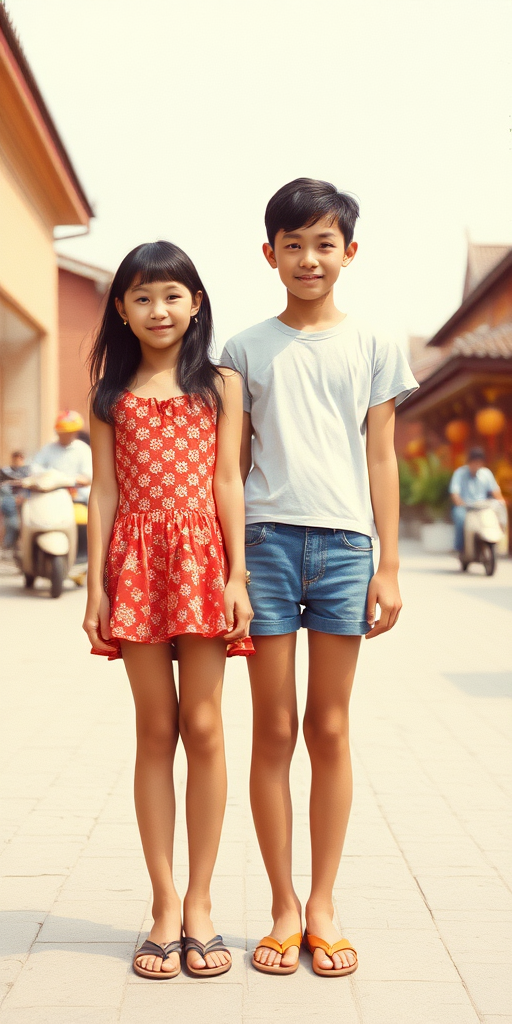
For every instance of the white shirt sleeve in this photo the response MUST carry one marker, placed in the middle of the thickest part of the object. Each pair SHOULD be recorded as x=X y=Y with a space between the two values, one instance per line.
x=392 y=376
x=229 y=358
x=454 y=487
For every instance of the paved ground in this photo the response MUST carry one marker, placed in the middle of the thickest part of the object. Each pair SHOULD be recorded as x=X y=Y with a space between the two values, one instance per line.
x=424 y=891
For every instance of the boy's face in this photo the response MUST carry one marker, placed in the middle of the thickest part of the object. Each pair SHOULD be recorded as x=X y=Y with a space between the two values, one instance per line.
x=309 y=259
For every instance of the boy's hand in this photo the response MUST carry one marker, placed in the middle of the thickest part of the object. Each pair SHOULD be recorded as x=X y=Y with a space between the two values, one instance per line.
x=383 y=590
x=237 y=611
x=97 y=623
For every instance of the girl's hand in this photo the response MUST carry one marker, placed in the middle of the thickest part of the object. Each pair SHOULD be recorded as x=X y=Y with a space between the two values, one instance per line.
x=383 y=590
x=237 y=611
x=97 y=623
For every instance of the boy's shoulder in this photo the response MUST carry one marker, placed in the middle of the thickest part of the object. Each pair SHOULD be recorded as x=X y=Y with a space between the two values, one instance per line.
x=265 y=329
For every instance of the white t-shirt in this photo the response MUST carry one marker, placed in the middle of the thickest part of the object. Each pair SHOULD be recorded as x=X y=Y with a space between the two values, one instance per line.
x=308 y=395
x=74 y=459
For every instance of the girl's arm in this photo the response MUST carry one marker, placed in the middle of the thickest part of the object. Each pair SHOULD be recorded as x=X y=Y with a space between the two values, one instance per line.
x=100 y=520
x=229 y=499
x=246 y=448
x=383 y=474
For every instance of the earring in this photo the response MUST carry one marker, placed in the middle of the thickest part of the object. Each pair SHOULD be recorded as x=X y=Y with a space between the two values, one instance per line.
x=196 y=320
x=125 y=322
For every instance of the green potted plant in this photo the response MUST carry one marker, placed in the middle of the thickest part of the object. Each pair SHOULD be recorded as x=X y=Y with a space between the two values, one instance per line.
x=424 y=483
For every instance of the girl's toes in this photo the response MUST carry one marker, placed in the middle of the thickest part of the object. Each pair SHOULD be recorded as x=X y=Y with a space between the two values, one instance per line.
x=198 y=964
x=169 y=964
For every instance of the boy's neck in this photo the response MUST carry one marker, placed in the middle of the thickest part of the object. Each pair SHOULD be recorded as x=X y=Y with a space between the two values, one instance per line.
x=311 y=314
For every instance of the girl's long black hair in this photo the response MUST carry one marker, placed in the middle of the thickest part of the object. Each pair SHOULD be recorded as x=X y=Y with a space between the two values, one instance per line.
x=116 y=352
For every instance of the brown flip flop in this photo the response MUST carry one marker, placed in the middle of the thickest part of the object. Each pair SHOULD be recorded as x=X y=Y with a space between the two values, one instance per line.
x=149 y=948
x=215 y=945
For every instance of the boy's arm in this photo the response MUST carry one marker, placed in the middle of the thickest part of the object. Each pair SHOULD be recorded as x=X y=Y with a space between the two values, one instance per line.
x=383 y=475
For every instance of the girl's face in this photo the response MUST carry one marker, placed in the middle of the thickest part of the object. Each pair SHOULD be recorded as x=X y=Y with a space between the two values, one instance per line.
x=158 y=313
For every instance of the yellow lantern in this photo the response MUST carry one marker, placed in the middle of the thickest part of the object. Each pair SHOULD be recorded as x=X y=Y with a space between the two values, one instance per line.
x=490 y=421
x=457 y=432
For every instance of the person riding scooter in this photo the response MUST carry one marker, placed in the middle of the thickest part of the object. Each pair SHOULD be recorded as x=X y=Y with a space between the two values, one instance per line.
x=68 y=454
x=72 y=457
x=470 y=485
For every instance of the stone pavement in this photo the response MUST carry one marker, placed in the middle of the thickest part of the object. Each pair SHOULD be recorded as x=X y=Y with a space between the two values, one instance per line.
x=424 y=891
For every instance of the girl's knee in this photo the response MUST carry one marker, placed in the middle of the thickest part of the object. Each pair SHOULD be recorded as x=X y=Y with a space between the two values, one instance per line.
x=201 y=732
x=157 y=736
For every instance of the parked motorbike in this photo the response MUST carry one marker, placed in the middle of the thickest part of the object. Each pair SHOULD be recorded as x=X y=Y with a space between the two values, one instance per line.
x=482 y=531
x=47 y=543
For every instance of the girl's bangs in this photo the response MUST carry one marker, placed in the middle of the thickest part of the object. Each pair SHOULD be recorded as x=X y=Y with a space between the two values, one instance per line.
x=157 y=269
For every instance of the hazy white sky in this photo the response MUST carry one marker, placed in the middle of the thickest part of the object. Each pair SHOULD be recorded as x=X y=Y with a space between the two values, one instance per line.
x=183 y=118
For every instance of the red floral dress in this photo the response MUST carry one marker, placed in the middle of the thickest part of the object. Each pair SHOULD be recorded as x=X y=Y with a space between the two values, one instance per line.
x=166 y=568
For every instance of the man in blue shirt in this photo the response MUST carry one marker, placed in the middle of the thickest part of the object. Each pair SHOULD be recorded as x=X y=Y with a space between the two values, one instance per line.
x=470 y=483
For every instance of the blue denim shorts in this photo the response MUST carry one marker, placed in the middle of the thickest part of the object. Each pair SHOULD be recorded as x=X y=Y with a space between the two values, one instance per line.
x=308 y=576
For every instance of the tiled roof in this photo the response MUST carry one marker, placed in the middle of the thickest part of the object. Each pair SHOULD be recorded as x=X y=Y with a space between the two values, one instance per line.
x=481 y=260
x=484 y=342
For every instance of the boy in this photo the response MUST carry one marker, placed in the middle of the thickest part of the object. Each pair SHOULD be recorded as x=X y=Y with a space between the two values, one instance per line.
x=319 y=400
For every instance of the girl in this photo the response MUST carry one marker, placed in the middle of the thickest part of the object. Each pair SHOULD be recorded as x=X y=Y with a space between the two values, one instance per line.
x=166 y=507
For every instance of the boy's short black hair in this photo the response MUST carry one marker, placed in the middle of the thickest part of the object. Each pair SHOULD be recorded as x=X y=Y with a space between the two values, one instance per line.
x=304 y=201
x=476 y=454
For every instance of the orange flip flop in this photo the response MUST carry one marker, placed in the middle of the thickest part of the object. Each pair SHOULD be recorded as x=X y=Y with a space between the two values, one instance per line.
x=280 y=947
x=312 y=942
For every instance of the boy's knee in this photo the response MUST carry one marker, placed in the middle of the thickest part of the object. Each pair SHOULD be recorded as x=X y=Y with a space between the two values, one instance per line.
x=326 y=734
x=276 y=736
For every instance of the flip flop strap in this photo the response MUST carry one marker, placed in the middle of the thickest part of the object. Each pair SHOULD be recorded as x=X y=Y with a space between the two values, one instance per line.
x=315 y=943
x=154 y=949
x=280 y=947
x=215 y=945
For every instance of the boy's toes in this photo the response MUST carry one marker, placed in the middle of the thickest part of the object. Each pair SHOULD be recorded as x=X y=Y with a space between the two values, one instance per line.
x=289 y=958
x=325 y=963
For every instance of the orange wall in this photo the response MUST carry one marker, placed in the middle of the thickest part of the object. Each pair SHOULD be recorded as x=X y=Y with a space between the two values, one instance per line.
x=80 y=307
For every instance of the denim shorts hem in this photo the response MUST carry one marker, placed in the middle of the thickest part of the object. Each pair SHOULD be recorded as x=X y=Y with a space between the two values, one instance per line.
x=275 y=627
x=336 y=627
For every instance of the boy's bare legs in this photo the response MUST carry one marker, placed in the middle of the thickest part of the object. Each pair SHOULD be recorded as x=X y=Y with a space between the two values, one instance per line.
x=201 y=672
x=272 y=674
x=149 y=668
x=332 y=665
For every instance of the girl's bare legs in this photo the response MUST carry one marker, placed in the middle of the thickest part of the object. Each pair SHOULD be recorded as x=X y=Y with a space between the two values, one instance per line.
x=272 y=674
x=201 y=670
x=332 y=665
x=149 y=668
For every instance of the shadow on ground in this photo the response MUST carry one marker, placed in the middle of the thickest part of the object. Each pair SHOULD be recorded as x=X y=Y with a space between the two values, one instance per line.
x=482 y=684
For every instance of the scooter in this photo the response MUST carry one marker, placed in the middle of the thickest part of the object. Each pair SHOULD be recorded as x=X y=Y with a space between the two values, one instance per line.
x=48 y=534
x=482 y=531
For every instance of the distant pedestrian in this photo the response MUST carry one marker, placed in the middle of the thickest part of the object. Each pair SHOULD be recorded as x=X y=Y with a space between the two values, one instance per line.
x=166 y=540
x=470 y=483
x=11 y=498
x=319 y=398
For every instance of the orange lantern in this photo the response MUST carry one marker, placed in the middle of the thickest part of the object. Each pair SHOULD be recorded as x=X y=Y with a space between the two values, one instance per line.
x=490 y=421
x=415 y=448
x=457 y=432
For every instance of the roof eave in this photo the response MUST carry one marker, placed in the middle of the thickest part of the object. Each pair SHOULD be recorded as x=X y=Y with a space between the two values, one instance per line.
x=488 y=282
